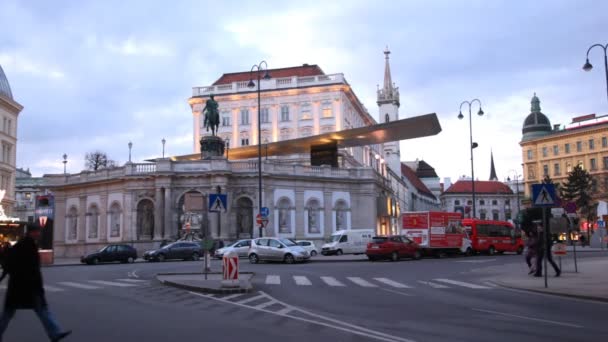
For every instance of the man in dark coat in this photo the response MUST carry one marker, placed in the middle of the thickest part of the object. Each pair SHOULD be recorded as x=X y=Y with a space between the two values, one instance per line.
x=25 y=289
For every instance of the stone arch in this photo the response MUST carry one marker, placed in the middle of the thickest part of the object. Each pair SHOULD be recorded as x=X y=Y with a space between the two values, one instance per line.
x=145 y=219
x=93 y=215
x=115 y=220
x=192 y=213
x=244 y=216
x=72 y=224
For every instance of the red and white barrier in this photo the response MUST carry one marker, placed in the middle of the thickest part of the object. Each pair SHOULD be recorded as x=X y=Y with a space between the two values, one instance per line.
x=230 y=267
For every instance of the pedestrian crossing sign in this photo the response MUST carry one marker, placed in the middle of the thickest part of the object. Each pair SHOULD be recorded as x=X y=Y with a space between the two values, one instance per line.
x=217 y=203
x=543 y=195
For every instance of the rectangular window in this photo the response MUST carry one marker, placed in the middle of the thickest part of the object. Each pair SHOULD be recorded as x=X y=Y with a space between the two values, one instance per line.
x=264 y=117
x=591 y=144
x=593 y=164
x=469 y=202
x=604 y=142
x=555 y=150
x=245 y=142
x=494 y=202
x=482 y=215
x=507 y=215
x=530 y=156
x=545 y=152
x=605 y=164
x=482 y=202
x=285 y=113
x=593 y=185
x=567 y=148
x=244 y=117
x=327 y=113
x=579 y=146
x=495 y=216
x=556 y=170
x=568 y=167
x=457 y=202
x=226 y=120
x=545 y=170
x=10 y=127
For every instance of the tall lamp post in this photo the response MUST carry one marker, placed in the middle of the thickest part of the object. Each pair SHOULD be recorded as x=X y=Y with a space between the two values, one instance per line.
x=65 y=163
x=258 y=68
x=588 y=66
x=472 y=146
x=517 y=176
x=163 y=141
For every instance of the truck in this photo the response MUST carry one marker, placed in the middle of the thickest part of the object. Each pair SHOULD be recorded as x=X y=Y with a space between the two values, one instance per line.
x=437 y=233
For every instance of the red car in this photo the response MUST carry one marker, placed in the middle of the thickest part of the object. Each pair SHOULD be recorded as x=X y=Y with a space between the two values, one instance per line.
x=393 y=248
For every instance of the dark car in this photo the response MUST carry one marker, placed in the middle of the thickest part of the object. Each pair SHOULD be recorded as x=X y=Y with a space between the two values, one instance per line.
x=177 y=250
x=111 y=253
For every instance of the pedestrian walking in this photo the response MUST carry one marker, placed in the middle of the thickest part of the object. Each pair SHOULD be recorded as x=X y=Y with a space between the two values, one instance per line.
x=532 y=250
x=583 y=240
x=25 y=289
x=545 y=253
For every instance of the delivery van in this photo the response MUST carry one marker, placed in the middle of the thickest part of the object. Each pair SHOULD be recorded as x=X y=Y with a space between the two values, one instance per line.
x=353 y=241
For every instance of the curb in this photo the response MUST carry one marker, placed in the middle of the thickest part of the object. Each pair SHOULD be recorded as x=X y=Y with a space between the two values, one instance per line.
x=199 y=289
x=557 y=294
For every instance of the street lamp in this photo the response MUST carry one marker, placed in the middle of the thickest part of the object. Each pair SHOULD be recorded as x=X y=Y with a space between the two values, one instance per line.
x=163 y=141
x=258 y=69
x=65 y=163
x=472 y=146
x=130 y=147
x=588 y=66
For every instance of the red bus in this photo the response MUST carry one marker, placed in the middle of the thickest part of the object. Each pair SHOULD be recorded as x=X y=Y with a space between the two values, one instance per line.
x=493 y=236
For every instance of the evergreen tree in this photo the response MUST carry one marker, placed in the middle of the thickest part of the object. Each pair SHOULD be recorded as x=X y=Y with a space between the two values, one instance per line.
x=577 y=189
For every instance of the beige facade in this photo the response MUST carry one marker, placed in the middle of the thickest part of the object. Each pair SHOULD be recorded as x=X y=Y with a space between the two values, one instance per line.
x=9 y=115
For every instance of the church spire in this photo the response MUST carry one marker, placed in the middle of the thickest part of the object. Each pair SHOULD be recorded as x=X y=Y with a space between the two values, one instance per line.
x=493 y=176
x=389 y=93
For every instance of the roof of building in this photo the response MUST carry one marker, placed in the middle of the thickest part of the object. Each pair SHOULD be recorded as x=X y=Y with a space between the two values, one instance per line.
x=299 y=71
x=5 y=87
x=536 y=124
x=493 y=176
x=425 y=170
x=411 y=176
x=481 y=187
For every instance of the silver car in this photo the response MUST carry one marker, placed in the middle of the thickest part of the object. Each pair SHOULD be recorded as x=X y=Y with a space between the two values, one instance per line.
x=241 y=247
x=276 y=249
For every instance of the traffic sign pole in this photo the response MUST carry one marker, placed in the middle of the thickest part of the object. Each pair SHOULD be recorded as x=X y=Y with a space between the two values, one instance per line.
x=545 y=243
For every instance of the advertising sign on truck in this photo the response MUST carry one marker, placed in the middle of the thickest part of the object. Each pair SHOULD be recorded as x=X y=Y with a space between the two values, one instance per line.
x=435 y=230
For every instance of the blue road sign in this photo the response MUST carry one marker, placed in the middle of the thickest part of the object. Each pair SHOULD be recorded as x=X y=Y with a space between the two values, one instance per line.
x=543 y=195
x=601 y=224
x=265 y=212
x=217 y=203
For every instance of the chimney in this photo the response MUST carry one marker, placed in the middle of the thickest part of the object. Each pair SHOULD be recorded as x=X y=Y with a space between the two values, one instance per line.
x=556 y=127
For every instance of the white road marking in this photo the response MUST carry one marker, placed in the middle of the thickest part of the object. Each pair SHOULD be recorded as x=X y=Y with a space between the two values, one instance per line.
x=273 y=280
x=79 y=285
x=433 y=285
x=338 y=325
x=251 y=299
x=135 y=281
x=392 y=283
x=397 y=292
x=331 y=281
x=529 y=318
x=302 y=281
x=111 y=283
x=476 y=261
x=361 y=282
x=265 y=305
x=233 y=296
x=52 y=288
x=463 y=284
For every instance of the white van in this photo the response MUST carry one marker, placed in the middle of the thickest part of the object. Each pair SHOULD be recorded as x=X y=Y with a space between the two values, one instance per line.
x=348 y=242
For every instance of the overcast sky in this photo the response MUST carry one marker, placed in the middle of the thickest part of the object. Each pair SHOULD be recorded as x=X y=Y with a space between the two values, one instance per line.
x=98 y=74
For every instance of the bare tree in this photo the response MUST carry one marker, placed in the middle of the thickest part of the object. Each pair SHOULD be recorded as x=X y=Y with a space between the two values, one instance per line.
x=98 y=160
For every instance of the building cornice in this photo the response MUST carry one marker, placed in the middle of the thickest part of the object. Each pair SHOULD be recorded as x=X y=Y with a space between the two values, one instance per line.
x=564 y=133
x=12 y=105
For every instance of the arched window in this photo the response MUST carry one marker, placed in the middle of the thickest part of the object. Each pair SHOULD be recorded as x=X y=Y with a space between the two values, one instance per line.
x=341 y=209
x=145 y=219
x=313 y=212
x=93 y=216
x=72 y=222
x=115 y=212
x=387 y=118
x=244 y=218
x=284 y=207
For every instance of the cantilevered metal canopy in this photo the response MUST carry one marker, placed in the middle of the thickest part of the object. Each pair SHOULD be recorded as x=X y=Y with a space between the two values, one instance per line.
x=410 y=128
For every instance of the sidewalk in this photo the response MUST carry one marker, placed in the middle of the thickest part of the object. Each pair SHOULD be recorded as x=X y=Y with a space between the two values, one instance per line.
x=585 y=249
x=589 y=283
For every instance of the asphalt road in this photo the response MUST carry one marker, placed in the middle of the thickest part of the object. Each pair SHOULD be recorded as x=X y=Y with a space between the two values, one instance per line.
x=426 y=300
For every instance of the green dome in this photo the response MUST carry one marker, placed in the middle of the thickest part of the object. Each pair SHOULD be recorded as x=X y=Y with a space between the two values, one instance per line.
x=5 y=88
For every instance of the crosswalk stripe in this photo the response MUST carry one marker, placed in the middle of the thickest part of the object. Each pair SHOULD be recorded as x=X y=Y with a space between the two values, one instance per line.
x=462 y=283
x=331 y=281
x=52 y=288
x=392 y=283
x=111 y=283
x=79 y=285
x=361 y=282
x=131 y=280
x=251 y=299
x=302 y=280
x=433 y=285
x=273 y=280
x=233 y=296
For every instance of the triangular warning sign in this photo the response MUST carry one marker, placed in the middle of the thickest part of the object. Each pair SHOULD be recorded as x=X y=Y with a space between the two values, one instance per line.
x=218 y=205
x=544 y=197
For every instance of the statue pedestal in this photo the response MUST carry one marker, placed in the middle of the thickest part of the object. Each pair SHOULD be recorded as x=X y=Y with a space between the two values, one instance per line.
x=212 y=146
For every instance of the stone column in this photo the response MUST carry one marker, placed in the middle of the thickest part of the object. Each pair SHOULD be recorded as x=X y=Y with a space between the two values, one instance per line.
x=158 y=214
x=82 y=219
x=103 y=218
x=130 y=220
x=168 y=216
x=328 y=216
x=299 y=205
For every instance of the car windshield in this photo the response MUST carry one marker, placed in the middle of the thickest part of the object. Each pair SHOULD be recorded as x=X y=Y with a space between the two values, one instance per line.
x=379 y=239
x=287 y=242
x=335 y=238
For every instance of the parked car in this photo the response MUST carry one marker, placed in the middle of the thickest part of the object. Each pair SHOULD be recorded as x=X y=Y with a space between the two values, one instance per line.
x=392 y=247
x=111 y=253
x=352 y=241
x=185 y=250
x=240 y=247
x=309 y=246
x=276 y=249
